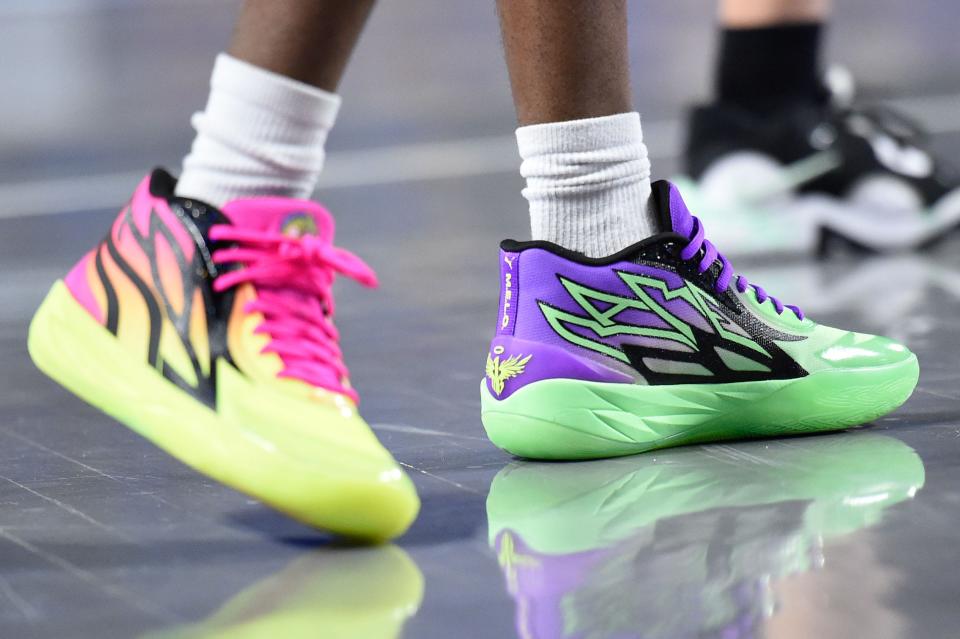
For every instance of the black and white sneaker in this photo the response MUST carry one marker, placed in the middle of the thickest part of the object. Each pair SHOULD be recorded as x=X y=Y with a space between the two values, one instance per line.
x=793 y=180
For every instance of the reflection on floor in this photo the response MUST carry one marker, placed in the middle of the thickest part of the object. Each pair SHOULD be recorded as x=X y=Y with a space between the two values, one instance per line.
x=348 y=594
x=687 y=544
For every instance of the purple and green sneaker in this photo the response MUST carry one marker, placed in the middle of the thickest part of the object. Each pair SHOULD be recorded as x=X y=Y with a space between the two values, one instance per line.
x=661 y=345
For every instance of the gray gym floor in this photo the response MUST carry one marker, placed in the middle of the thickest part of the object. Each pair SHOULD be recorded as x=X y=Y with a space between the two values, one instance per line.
x=102 y=535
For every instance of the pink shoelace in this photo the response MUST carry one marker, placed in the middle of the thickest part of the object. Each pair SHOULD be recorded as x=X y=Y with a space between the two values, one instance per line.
x=293 y=277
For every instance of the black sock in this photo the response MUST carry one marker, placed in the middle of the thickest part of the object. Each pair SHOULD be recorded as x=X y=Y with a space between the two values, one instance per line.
x=771 y=67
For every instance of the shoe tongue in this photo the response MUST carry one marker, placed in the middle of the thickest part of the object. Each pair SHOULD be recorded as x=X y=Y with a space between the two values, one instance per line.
x=672 y=213
x=294 y=218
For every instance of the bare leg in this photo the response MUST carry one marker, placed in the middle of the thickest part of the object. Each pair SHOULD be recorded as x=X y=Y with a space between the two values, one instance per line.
x=307 y=40
x=749 y=14
x=567 y=58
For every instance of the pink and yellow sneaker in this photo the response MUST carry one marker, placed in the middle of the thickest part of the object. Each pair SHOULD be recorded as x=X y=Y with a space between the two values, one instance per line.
x=210 y=333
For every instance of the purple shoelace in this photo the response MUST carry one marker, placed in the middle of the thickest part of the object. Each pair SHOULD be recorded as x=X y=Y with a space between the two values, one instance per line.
x=711 y=254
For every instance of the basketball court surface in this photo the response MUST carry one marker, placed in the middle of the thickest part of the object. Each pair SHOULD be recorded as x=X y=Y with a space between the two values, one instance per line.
x=103 y=535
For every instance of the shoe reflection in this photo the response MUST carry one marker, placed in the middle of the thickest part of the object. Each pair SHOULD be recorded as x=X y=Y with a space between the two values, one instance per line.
x=684 y=543
x=366 y=593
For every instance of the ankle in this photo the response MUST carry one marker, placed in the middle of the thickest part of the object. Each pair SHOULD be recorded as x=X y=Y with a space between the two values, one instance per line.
x=261 y=134
x=588 y=182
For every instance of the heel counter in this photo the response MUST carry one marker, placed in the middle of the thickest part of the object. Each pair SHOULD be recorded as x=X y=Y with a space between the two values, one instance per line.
x=516 y=359
x=502 y=366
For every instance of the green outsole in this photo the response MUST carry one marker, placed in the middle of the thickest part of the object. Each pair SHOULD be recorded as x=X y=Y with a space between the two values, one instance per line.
x=566 y=419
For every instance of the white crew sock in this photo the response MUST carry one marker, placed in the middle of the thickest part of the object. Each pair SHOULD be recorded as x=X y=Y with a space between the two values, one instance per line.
x=588 y=183
x=261 y=134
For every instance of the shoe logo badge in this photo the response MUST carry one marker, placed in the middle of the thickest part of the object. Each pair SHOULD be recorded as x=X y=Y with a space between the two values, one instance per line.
x=298 y=224
x=509 y=260
x=500 y=370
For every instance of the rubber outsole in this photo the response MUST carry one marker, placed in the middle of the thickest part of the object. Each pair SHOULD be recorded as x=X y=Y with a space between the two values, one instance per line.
x=313 y=478
x=566 y=419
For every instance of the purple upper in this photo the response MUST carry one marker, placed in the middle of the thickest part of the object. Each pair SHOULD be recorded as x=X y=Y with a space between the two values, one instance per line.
x=523 y=329
x=532 y=277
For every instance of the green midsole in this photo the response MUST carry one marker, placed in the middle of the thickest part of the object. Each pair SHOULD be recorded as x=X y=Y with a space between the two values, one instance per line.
x=573 y=419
